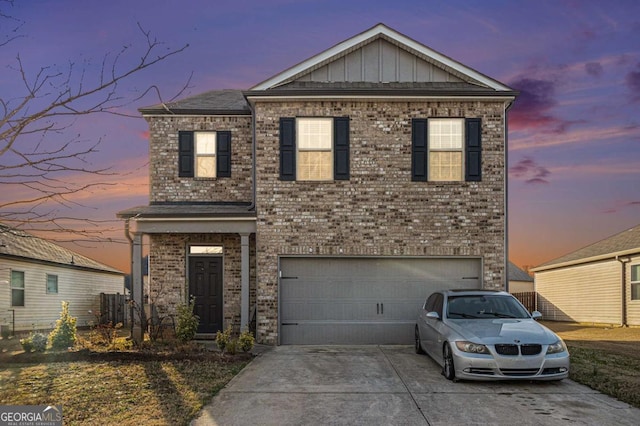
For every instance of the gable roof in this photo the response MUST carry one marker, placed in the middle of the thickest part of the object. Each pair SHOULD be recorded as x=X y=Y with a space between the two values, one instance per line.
x=621 y=244
x=517 y=274
x=21 y=245
x=461 y=72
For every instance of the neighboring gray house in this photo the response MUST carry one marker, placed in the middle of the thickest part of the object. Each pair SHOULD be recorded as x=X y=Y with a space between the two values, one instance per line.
x=519 y=280
x=599 y=283
x=36 y=275
x=333 y=197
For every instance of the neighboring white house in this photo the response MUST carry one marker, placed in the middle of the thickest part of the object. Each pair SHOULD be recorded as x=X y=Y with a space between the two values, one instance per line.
x=599 y=283
x=37 y=275
x=519 y=280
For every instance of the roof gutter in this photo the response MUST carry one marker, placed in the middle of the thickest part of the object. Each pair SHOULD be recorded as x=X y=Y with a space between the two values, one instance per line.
x=608 y=256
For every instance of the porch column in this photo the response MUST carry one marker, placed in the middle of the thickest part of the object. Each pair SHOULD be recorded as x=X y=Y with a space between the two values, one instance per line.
x=244 y=272
x=137 y=333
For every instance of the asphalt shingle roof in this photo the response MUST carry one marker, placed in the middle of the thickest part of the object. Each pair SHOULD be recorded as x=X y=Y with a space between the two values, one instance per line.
x=19 y=244
x=517 y=274
x=215 y=102
x=622 y=242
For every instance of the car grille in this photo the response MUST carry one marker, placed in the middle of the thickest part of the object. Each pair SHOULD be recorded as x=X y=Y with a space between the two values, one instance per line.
x=511 y=349
x=517 y=372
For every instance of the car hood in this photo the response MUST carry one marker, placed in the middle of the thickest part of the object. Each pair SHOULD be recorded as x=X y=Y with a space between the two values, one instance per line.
x=499 y=330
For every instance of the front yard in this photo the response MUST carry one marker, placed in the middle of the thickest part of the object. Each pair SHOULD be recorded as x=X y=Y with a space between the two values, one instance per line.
x=606 y=359
x=110 y=388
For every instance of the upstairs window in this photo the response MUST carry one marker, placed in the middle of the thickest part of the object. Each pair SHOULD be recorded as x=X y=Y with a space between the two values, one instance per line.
x=204 y=154
x=17 y=288
x=446 y=149
x=315 y=149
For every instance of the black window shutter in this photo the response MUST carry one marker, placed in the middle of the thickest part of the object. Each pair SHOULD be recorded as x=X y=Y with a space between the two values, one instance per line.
x=473 y=149
x=341 y=148
x=185 y=154
x=419 y=150
x=223 y=154
x=287 y=148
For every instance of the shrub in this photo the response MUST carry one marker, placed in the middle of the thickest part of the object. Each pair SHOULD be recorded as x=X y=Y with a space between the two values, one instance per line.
x=27 y=346
x=39 y=342
x=223 y=338
x=232 y=346
x=63 y=335
x=246 y=341
x=187 y=325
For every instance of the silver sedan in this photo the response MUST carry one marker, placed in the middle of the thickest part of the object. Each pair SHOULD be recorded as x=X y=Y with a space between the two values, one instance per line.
x=488 y=335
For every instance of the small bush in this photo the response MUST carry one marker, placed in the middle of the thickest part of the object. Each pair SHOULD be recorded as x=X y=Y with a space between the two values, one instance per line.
x=64 y=334
x=246 y=341
x=187 y=325
x=223 y=338
x=232 y=346
x=39 y=342
x=27 y=346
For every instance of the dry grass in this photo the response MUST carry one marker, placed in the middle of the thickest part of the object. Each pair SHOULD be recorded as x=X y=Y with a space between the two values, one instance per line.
x=139 y=388
x=606 y=359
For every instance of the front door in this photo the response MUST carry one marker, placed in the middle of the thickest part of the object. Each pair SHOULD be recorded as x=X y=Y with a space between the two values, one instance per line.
x=205 y=284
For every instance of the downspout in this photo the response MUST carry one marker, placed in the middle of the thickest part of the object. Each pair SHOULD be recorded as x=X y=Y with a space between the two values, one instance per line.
x=253 y=155
x=506 y=197
x=624 y=262
x=127 y=234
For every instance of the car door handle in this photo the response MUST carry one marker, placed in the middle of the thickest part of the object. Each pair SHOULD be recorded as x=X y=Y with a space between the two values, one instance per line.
x=377 y=309
x=382 y=308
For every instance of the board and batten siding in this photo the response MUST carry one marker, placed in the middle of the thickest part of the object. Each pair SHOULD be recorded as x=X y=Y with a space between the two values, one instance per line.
x=633 y=306
x=581 y=293
x=81 y=288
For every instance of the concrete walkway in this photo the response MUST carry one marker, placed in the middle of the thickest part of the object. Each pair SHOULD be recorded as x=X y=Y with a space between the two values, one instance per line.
x=390 y=385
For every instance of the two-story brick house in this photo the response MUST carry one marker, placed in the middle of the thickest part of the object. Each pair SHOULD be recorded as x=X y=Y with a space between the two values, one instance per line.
x=332 y=197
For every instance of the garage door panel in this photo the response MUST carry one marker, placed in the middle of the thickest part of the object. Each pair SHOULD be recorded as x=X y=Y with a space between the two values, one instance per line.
x=363 y=300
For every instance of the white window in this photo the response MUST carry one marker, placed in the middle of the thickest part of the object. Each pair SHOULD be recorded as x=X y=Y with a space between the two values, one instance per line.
x=635 y=282
x=315 y=149
x=17 y=288
x=52 y=284
x=205 y=153
x=446 y=152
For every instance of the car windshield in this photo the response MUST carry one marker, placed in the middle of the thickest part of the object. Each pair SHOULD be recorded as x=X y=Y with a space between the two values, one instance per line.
x=484 y=306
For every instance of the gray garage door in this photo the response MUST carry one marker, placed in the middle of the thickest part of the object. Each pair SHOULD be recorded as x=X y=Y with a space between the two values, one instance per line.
x=362 y=300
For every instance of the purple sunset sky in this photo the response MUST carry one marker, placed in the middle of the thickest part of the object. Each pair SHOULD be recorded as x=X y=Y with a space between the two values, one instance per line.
x=574 y=132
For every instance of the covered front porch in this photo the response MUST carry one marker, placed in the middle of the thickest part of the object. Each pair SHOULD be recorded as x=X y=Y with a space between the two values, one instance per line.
x=204 y=250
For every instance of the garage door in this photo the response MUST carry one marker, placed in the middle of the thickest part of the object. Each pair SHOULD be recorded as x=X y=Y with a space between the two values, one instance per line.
x=363 y=300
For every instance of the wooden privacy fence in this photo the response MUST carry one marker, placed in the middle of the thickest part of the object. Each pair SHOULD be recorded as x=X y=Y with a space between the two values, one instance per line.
x=113 y=309
x=528 y=299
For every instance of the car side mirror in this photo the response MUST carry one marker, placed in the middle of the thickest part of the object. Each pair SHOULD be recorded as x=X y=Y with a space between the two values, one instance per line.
x=433 y=315
x=536 y=315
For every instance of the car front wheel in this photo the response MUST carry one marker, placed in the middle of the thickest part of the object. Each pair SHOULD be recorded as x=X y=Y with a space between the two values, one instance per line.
x=448 y=369
x=418 y=347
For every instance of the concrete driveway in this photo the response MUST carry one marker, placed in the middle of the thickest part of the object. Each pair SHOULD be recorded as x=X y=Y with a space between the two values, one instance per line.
x=390 y=385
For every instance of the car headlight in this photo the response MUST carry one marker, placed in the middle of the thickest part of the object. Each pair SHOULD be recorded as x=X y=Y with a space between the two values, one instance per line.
x=474 y=348
x=556 y=347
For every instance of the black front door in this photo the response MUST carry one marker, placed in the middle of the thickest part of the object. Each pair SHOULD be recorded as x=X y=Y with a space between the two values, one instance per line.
x=205 y=284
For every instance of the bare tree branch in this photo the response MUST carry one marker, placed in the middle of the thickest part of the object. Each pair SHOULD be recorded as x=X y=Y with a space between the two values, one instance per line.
x=43 y=171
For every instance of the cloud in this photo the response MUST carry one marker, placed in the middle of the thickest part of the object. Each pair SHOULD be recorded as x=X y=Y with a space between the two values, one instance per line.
x=618 y=206
x=594 y=69
x=533 y=106
x=530 y=171
x=632 y=79
x=582 y=136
